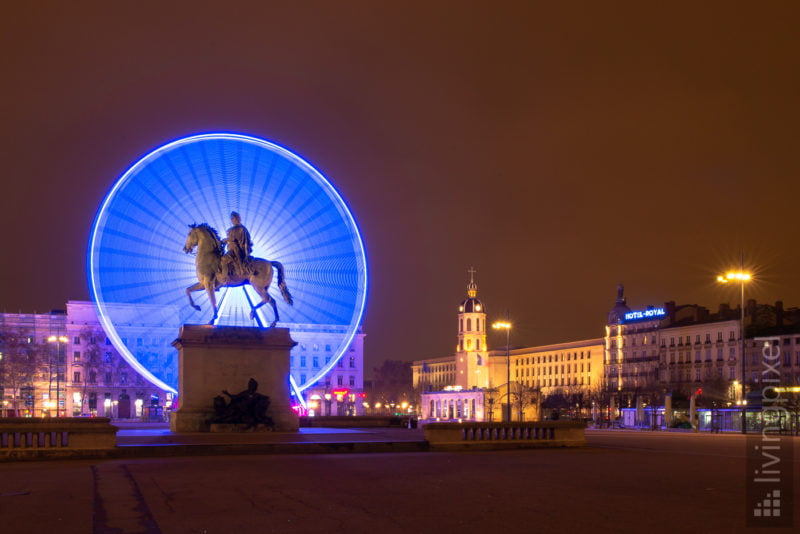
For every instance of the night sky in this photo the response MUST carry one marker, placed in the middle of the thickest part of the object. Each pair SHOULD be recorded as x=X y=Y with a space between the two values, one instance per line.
x=559 y=151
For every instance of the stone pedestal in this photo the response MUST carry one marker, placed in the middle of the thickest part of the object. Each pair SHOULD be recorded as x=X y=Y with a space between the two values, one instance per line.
x=213 y=358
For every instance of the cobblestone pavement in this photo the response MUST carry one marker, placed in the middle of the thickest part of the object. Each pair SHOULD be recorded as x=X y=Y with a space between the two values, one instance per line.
x=623 y=482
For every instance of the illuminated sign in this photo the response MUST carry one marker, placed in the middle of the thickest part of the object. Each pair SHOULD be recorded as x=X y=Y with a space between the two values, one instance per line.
x=652 y=313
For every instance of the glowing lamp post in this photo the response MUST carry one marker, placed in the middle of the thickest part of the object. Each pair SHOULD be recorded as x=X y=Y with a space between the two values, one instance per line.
x=505 y=325
x=741 y=277
x=59 y=341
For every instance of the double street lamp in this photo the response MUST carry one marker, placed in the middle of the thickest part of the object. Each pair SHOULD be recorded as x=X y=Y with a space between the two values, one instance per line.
x=741 y=277
x=59 y=341
x=506 y=325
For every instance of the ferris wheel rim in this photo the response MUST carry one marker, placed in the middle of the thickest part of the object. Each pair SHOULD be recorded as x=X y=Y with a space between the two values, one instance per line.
x=102 y=215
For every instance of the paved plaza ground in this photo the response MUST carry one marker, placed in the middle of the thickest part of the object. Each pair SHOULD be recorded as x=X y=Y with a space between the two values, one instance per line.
x=623 y=482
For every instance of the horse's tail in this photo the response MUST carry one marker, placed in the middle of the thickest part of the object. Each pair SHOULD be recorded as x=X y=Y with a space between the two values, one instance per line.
x=282 y=283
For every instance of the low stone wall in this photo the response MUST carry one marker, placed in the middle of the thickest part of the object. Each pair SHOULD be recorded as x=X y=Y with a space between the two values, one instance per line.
x=18 y=434
x=486 y=435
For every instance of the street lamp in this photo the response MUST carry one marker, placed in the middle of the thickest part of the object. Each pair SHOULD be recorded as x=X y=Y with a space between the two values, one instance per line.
x=741 y=277
x=506 y=325
x=58 y=340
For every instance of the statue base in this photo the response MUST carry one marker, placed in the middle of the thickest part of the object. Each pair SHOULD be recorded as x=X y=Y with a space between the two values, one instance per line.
x=216 y=358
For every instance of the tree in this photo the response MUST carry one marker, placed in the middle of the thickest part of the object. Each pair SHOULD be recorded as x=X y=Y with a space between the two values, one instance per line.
x=601 y=395
x=555 y=403
x=90 y=363
x=523 y=396
x=19 y=362
x=490 y=397
x=792 y=405
x=393 y=383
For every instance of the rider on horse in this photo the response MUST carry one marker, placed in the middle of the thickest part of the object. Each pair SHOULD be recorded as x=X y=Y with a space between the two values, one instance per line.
x=240 y=246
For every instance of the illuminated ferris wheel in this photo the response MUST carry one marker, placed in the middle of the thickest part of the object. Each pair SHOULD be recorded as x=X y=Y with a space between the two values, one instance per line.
x=138 y=272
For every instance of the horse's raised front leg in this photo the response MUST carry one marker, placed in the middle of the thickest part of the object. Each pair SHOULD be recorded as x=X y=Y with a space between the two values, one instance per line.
x=196 y=287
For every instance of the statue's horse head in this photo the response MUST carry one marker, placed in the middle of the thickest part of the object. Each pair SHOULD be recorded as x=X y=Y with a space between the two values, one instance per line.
x=191 y=239
x=203 y=236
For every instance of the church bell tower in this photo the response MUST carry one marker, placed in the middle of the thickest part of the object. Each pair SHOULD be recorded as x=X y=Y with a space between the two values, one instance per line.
x=471 y=353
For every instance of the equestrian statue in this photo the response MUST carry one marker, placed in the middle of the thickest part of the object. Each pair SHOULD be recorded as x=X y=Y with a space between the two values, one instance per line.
x=217 y=268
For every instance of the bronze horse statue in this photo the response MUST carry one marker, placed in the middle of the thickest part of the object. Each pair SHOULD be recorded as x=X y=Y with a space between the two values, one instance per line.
x=210 y=276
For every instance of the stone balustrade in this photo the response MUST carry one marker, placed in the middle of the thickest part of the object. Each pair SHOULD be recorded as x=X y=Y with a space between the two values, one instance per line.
x=19 y=434
x=490 y=435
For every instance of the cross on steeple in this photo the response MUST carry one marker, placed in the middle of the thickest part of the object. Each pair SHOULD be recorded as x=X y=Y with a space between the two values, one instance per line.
x=472 y=287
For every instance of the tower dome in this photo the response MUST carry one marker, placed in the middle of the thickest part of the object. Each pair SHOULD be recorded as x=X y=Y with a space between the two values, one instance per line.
x=620 y=307
x=471 y=304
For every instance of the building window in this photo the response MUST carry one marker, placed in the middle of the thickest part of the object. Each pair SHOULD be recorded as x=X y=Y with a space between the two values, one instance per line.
x=352 y=380
x=302 y=361
x=352 y=363
x=123 y=377
x=697 y=375
x=108 y=378
x=76 y=356
x=315 y=362
x=93 y=377
x=139 y=342
x=327 y=348
x=302 y=379
x=731 y=373
x=76 y=376
x=339 y=380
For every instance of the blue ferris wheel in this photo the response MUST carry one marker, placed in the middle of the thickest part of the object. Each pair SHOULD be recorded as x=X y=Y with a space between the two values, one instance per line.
x=138 y=271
